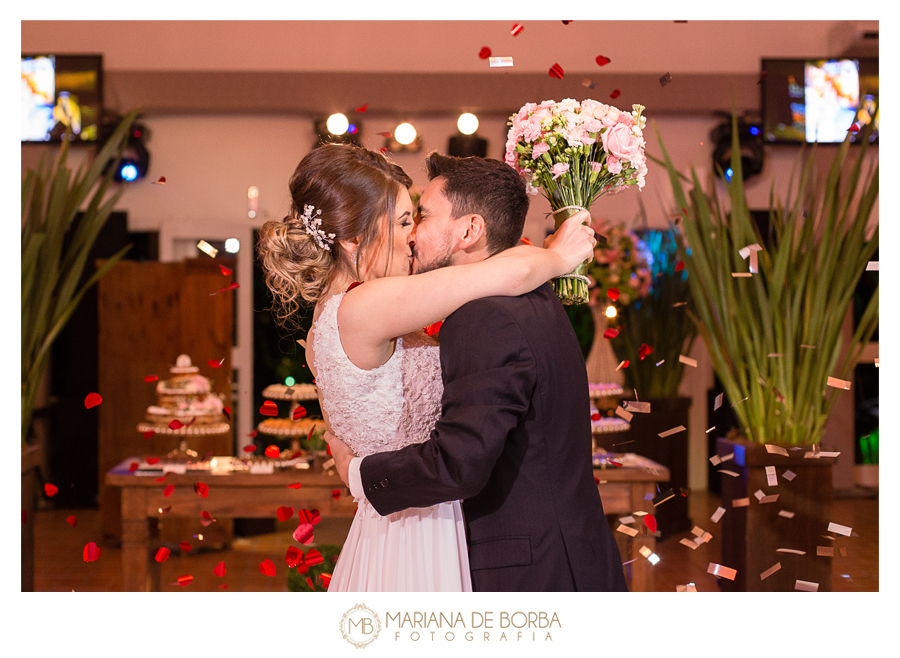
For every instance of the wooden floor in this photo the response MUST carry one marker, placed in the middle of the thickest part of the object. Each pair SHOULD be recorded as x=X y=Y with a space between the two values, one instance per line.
x=59 y=566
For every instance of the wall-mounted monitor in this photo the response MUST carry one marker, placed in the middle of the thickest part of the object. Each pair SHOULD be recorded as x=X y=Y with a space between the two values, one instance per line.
x=57 y=87
x=818 y=100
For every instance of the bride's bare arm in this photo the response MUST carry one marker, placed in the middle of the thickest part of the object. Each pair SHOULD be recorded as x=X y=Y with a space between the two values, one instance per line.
x=393 y=306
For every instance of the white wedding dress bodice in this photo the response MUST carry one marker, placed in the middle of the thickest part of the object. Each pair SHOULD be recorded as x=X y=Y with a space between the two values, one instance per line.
x=386 y=408
x=383 y=409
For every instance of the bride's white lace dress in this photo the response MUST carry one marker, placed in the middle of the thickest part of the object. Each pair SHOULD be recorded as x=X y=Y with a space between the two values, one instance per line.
x=386 y=408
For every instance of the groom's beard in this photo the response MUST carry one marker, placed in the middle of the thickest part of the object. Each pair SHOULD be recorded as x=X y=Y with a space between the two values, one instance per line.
x=420 y=267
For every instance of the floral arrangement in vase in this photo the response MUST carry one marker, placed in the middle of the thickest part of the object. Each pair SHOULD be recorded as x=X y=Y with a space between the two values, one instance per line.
x=574 y=153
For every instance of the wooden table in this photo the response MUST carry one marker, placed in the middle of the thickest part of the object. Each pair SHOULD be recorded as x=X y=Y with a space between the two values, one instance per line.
x=231 y=495
x=628 y=489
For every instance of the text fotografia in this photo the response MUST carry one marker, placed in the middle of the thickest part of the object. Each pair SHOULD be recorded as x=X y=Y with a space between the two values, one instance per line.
x=479 y=626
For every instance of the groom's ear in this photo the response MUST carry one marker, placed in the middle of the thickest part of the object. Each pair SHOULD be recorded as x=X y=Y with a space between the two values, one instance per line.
x=474 y=231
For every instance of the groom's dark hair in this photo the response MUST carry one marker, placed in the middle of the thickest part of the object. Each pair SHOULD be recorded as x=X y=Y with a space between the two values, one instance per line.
x=485 y=187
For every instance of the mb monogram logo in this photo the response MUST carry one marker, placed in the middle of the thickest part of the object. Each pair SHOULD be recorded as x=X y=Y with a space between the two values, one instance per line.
x=360 y=625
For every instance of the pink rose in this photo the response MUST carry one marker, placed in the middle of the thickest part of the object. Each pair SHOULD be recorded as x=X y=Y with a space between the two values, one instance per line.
x=532 y=130
x=619 y=142
x=559 y=169
x=611 y=116
x=539 y=149
x=596 y=166
x=626 y=118
x=592 y=125
x=613 y=164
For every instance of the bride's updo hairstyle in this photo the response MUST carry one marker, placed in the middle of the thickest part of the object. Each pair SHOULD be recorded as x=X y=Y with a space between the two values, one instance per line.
x=355 y=189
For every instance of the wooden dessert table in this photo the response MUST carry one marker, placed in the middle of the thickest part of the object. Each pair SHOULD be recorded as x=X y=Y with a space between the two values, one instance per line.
x=624 y=490
x=231 y=495
x=627 y=489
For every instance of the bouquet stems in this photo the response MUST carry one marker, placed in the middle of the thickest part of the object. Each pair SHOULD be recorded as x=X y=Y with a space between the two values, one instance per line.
x=570 y=288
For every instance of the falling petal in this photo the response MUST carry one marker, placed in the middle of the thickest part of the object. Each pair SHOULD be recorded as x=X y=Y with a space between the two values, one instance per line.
x=162 y=554
x=133 y=466
x=160 y=479
x=250 y=448
x=326 y=579
x=219 y=570
x=525 y=240
x=296 y=485
x=91 y=552
x=556 y=71
x=679 y=266
x=50 y=489
x=484 y=53
x=161 y=181
x=202 y=489
x=176 y=424
x=516 y=29
x=304 y=533
x=273 y=452
x=316 y=517
x=615 y=93
x=336 y=494
x=151 y=378
x=603 y=61
x=149 y=433
x=610 y=333
x=310 y=433
x=227 y=412
x=293 y=557
x=267 y=567
x=185 y=580
x=650 y=522
x=613 y=293
x=313 y=587
x=385 y=135
x=185 y=546
x=212 y=363
x=434 y=329
x=71 y=520
x=92 y=400
x=363 y=108
x=151 y=460
x=269 y=408
x=299 y=412
x=284 y=513
x=313 y=558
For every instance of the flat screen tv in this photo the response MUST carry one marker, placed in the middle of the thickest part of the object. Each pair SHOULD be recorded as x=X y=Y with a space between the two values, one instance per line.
x=817 y=100
x=58 y=86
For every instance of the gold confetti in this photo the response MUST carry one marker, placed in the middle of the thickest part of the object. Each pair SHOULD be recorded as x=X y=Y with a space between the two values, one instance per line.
x=619 y=367
x=839 y=529
x=806 y=586
x=825 y=551
x=740 y=502
x=774 y=354
x=872 y=266
x=677 y=304
x=839 y=383
x=786 y=514
x=691 y=545
x=587 y=82
x=741 y=275
x=778 y=450
x=731 y=473
x=636 y=407
x=623 y=414
x=719 y=399
x=720 y=571
x=790 y=550
x=687 y=361
x=627 y=519
x=690 y=587
x=717 y=514
x=674 y=430
x=739 y=401
x=207 y=248
x=876 y=362
x=771 y=477
x=842 y=551
x=625 y=530
x=809 y=347
x=500 y=61
x=650 y=555
x=771 y=498
x=768 y=572
x=789 y=475
x=749 y=249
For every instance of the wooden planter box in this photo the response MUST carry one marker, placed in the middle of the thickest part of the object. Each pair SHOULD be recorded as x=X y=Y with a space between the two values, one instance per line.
x=751 y=534
x=671 y=451
x=31 y=461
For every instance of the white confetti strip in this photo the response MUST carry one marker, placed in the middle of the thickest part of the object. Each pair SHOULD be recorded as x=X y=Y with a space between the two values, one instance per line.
x=717 y=514
x=806 y=586
x=834 y=382
x=839 y=529
x=786 y=514
x=715 y=460
x=740 y=502
x=625 y=530
x=677 y=304
x=636 y=407
x=500 y=61
x=789 y=475
x=621 y=413
x=691 y=545
x=778 y=450
x=718 y=403
x=809 y=347
x=825 y=551
x=663 y=361
x=771 y=498
x=619 y=367
x=771 y=477
x=710 y=429
x=774 y=354
x=768 y=572
x=687 y=360
x=731 y=473
x=759 y=493
x=749 y=249
x=790 y=550
x=626 y=519
x=720 y=571
x=207 y=248
x=872 y=266
x=674 y=430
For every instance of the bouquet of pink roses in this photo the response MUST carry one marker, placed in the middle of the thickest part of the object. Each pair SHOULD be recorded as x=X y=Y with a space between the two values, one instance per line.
x=574 y=153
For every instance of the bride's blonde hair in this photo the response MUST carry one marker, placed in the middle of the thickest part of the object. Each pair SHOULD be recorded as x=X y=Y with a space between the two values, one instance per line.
x=355 y=189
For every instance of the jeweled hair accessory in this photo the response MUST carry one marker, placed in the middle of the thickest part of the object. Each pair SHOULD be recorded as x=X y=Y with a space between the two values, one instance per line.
x=312 y=222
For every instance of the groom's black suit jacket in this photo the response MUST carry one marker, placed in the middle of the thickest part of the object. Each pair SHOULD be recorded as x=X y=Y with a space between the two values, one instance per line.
x=514 y=443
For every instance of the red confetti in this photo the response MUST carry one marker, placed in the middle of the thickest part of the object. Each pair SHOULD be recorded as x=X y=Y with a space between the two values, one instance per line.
x=595 y=417
x=71 y=520
x=269 y=408
x=363 y=108
x=310 y=433
x=610 y=333
x=91 y=552
x=185 y=546
x=644 y=350
x=267 y=567
x=293 y=557
x=566 y=22
x=252 y=434
x=219 y=570
x=202 y=489
x=151 y=460
x=161 y=478
x=603 y=61
x=385 y=135
x=230 y=287
x=176 y=424
x=185 y=580
x=92 y=400
x=326 y=579
x=626 y=363
x=526 y=241
x=132 y=467
x=328 y=450
x=249 y=448
x=50 y=489
x=162 y=554
x=225 y=270
x=516 y=29
x=302 y=568
x=383 y=149
x=316 y=517
x=304 y=533
x=161 y=181
x=313 y=558
x=296 y=485
x=299 y=412
x=854 y=128
x=149 y=433
x=227 y=412
x=273 y=452
x=212 y=363
x=336 y=494
x=484 y=53
x=613 y=463
x=310 y=583
x=434 y=329
x=305 y=516
x=151 y=378
x=650 y=522
x=223 y=586
x=206 y=518
x=679 y=266
x=613 y=293
x=596 y=480
x=556 y=71
x=615 y=93
x=284 y=513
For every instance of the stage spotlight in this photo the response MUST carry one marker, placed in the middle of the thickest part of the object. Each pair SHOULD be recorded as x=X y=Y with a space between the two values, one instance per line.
x=405 y=134
x=467 y=123
x=337 y=124
x=135 y=158
x=752 y=152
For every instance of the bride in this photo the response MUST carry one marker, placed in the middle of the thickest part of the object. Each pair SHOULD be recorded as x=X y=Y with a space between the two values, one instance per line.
x=344 y=247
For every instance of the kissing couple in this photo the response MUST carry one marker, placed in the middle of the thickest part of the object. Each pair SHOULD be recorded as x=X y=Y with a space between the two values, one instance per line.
x=470 y=459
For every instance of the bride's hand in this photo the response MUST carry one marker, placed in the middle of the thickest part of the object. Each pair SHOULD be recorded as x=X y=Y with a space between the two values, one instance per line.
x=341 y=454
x=574 y=241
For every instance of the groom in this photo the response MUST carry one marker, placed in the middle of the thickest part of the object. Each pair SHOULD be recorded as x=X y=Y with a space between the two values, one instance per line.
x=514 y=438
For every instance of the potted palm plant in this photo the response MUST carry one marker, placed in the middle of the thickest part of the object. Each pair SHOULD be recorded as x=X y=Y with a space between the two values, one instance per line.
x=51 y=199
x=654 y=332
x=771 y=318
